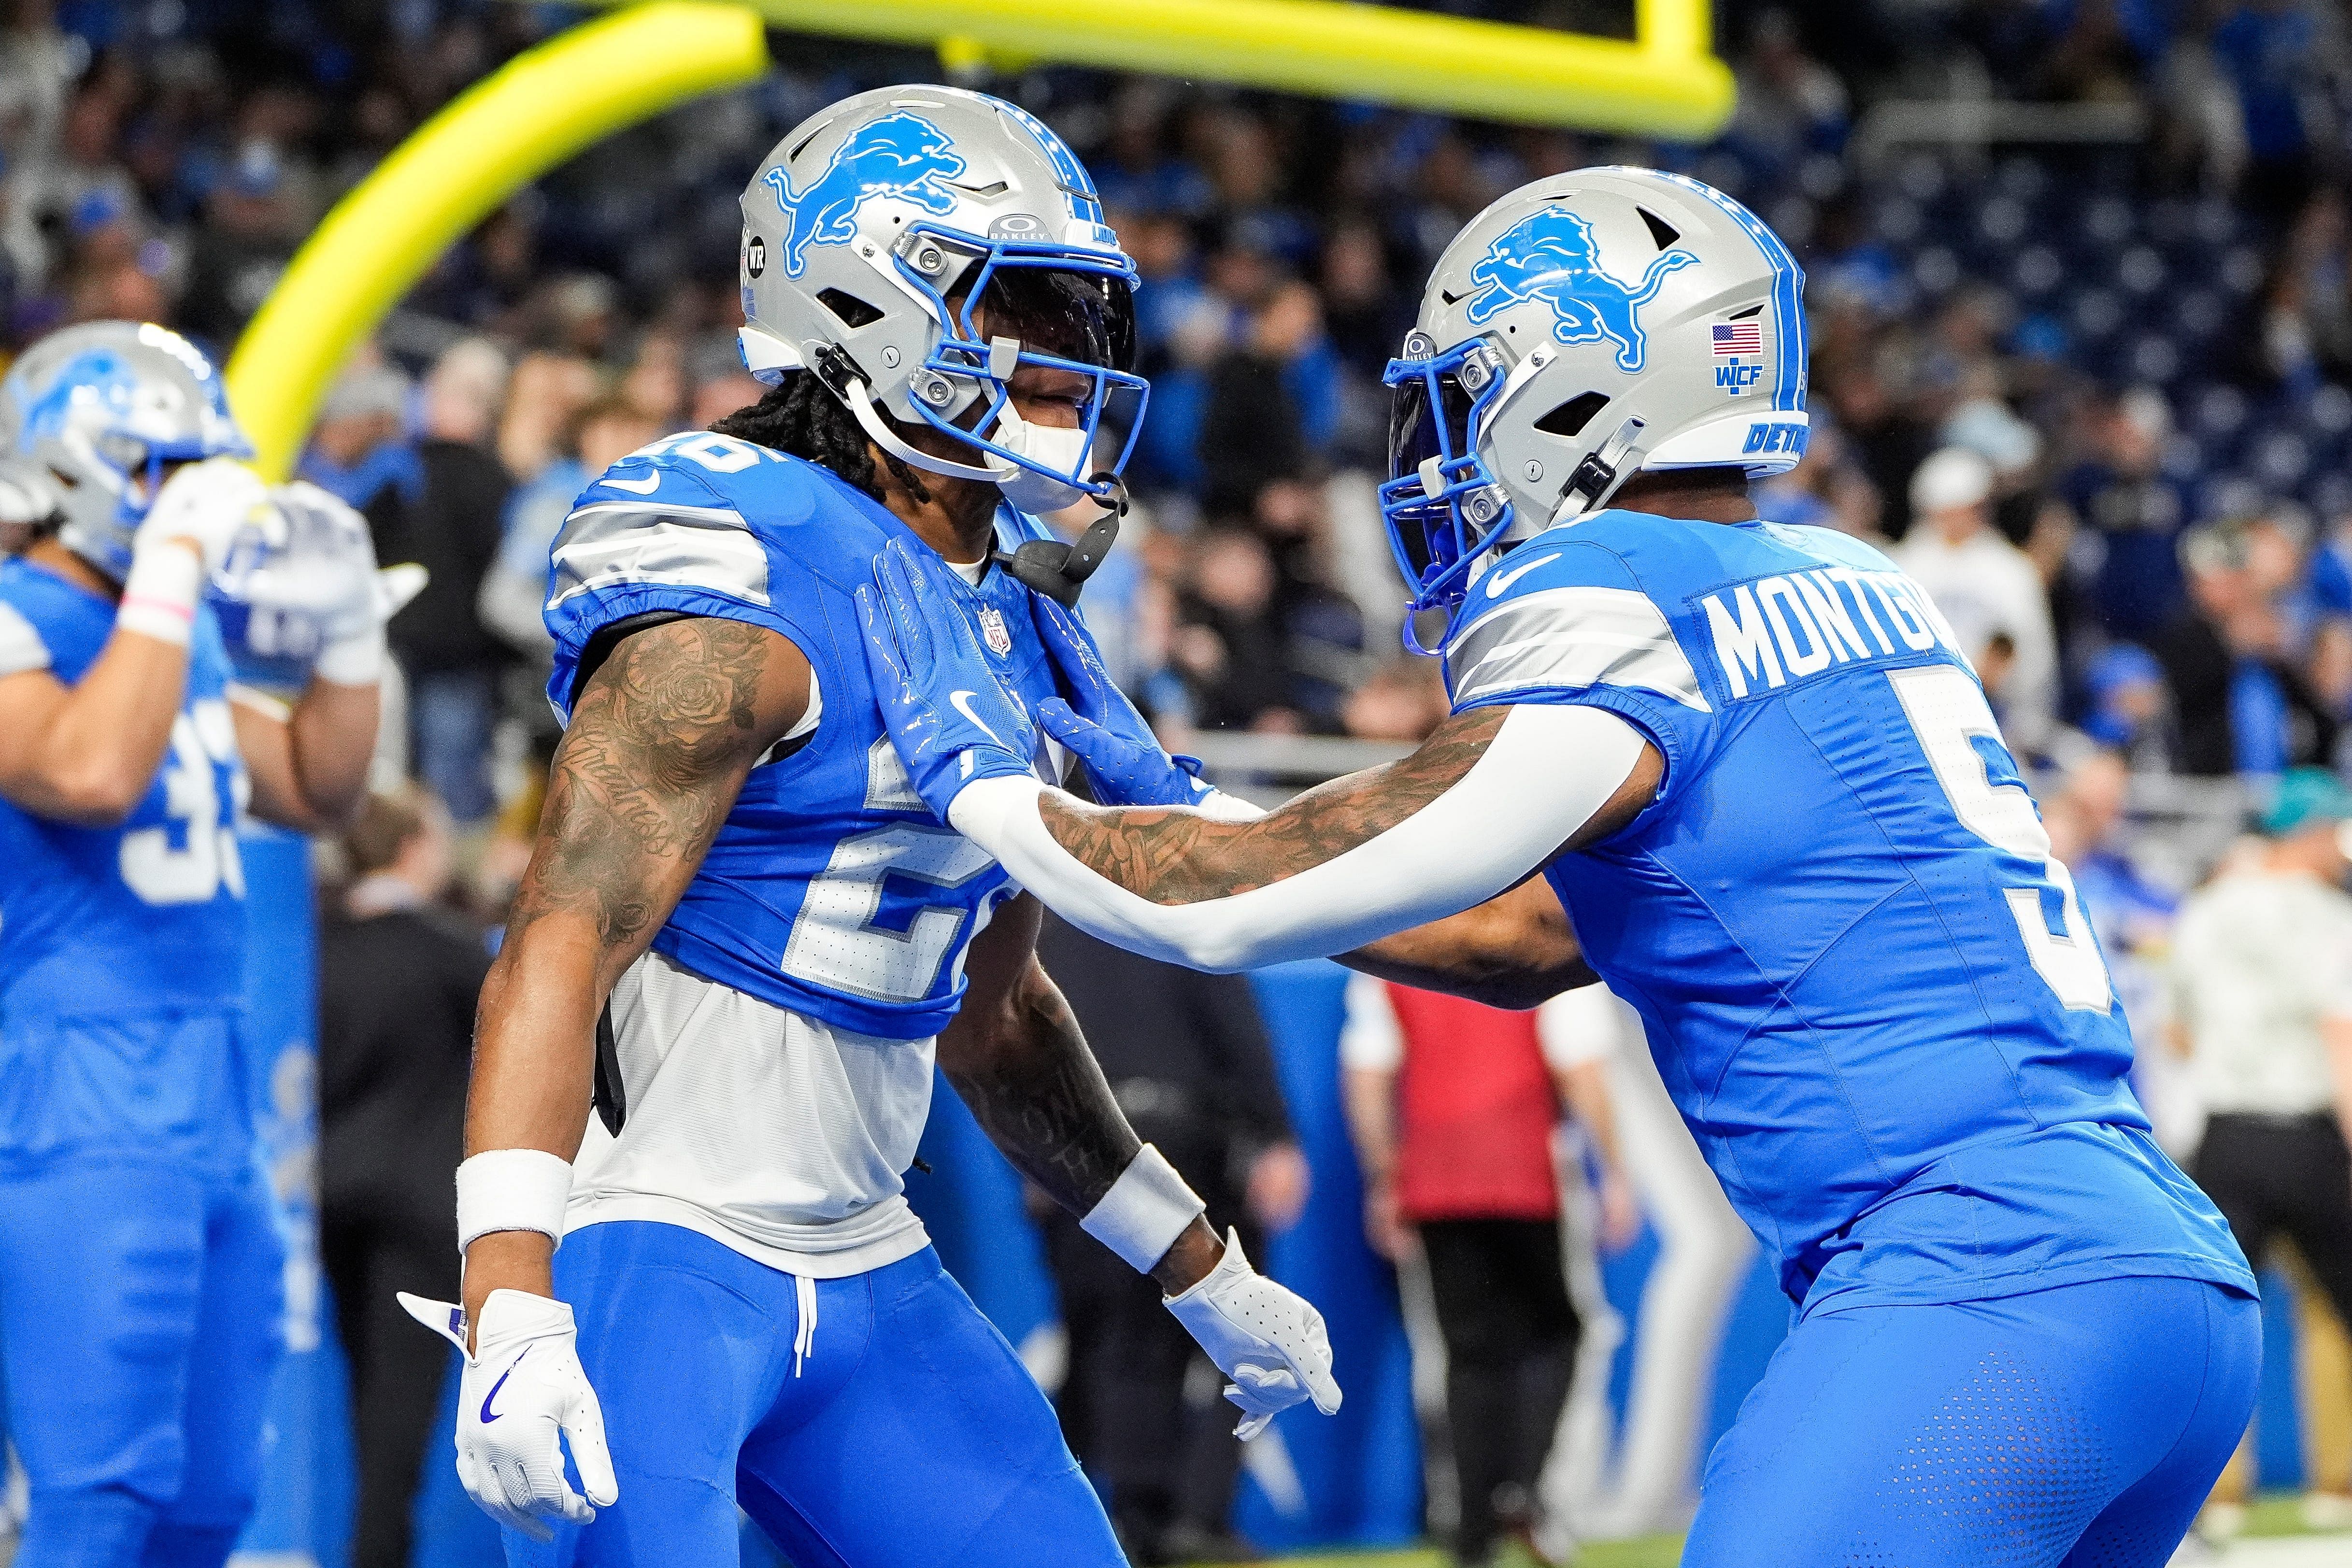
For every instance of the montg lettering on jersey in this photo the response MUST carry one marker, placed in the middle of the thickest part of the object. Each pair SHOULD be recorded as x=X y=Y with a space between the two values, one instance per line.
x=1797 y=624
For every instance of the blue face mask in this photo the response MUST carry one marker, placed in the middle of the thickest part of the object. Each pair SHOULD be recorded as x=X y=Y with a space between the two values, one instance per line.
x=1441 y=502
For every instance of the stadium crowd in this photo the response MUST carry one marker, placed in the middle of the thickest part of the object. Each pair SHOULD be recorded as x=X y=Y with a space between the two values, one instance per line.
x=2091 y=396
x=2094 y=395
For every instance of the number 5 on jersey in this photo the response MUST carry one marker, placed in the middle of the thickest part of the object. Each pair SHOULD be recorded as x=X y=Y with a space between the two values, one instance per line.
x=1949 y=713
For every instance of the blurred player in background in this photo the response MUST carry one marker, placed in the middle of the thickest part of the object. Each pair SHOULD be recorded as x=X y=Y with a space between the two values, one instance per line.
x=731 y=854
x=1456 y=1109
x=1757 y=770
x=140 y=1258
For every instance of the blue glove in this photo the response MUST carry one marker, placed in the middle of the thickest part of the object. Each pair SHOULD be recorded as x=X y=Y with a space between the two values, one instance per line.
x=950 y=719
x=1124 y=760
x=1124 y=770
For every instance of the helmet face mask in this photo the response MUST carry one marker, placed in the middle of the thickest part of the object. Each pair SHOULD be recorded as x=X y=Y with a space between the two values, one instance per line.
x=1062 y=314
x=914 y=247
x=1441 y=503
x=105 y=409
x=1582 y=329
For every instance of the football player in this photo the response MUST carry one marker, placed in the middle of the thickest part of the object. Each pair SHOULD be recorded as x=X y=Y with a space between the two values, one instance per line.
x=1753 y=767
x=140 y=1258
x=744 y=940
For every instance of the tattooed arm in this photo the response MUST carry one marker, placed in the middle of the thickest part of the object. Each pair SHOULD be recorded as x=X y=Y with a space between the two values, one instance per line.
x=1516 y=950
x=1491 y=797
x=1018 y=1059
x=661 y=738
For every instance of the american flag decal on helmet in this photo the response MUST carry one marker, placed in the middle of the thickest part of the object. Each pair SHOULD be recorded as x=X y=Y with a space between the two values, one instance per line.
x=1739 y=338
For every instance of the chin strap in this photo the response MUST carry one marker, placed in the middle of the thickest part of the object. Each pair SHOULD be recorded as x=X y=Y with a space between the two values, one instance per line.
x=1059 y=571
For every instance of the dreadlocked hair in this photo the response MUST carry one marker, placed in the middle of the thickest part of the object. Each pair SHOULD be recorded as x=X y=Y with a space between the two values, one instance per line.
x=800 y=416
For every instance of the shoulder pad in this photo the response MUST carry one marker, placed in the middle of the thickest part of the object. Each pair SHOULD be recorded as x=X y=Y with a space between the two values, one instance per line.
x=680 y=532
x=1564 y=614
x=1828 y=544
x=702 y=467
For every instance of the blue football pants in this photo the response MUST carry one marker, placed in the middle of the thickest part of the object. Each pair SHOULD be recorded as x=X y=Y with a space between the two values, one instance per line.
x=2074 y=1427
x=141 y=1319
x=904 y=1433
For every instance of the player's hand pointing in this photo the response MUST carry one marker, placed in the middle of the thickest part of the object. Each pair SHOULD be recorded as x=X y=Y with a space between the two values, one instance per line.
x=1266 y=1337
x=522 y=1387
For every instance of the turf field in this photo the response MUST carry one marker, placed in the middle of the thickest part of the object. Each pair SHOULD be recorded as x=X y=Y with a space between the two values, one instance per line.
x=2274 y=1538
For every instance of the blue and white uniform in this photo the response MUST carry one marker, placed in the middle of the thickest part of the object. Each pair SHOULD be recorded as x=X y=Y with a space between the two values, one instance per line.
x=1877 y=1003
x=138 y=1234
x=737 y=1215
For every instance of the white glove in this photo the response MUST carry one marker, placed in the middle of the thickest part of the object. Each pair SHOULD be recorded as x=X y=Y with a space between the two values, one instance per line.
x=1268 y=1338
x=208 y=504
x=312 y=597
x=523 y=1386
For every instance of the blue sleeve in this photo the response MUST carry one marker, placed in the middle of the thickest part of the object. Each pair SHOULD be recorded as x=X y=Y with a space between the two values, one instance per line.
x=1570 y=623
x=668 y=540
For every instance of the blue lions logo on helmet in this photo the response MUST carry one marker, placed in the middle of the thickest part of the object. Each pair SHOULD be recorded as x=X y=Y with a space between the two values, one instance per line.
x=1550 y=256
x=901 y=155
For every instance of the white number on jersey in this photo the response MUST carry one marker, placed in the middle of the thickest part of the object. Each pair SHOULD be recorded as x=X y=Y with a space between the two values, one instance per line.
x=1947 y=710
x=202 y=738
x=834 y=941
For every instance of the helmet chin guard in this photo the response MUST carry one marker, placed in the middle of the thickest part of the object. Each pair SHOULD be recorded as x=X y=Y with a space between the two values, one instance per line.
x=1586 y=328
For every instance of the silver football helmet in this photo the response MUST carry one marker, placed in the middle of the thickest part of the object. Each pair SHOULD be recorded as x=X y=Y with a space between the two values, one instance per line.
x=102 y=408
x=1582 y=329
x=876 y=229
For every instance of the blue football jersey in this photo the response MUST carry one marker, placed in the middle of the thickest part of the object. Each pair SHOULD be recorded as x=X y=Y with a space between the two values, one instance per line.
x=1869 y=987
x=831 y=889
x=142 y=917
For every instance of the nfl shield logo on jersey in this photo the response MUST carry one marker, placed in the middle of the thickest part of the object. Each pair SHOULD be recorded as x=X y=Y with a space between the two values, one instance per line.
x=992 y=632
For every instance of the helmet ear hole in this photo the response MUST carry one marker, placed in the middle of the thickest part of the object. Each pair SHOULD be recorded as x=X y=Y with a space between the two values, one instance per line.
x=1570 y=418
x=852 y=311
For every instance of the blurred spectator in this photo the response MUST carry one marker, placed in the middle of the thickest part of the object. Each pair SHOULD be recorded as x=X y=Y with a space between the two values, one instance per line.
x=454 y=530
x=1790 y=104
x=1402 y=701
x=514 y=589
x=2262 y=1010
x=249 y=233
x=1187 y=1056
x=357 y=451
x=1273 y=401
x=398 y=978
x=1987 y=589
x=1452 y=1106
x=2241 y=703
x=545 y=397
x=2119 y=492
x=2275 y=53
x=2128 y=710
x=1228 y=644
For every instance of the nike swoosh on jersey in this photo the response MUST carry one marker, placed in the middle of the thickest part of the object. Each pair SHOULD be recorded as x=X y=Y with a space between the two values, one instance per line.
x=962 y=700
x=643 y=487
x=487 y=1417
x=1500 y=582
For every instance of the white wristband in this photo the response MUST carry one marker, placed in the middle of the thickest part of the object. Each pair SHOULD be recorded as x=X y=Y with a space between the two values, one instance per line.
x=1144 y=1212
x=512 y=1189
x=159 y=596
x=354 y=661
